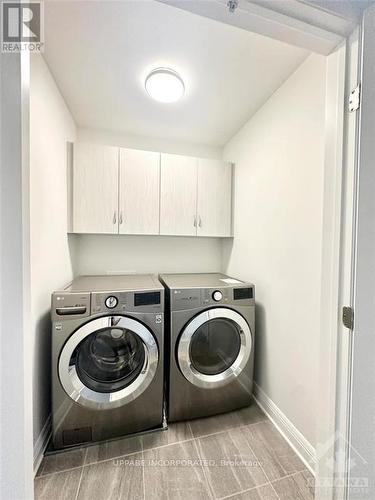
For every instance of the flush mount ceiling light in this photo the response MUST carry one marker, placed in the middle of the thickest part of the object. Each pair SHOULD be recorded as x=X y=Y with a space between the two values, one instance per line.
x=164 y=85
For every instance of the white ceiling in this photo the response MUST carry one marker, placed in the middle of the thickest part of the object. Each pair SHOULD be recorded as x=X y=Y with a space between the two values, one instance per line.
x=100 y=53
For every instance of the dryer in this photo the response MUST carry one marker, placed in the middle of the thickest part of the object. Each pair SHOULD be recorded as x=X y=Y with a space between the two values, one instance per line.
x=210 y=342
x=107 y=358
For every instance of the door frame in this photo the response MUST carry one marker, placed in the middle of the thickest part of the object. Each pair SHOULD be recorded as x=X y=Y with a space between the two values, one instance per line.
x=16 y=391
x=361 y=447
x=290 y=21
x=347 y=265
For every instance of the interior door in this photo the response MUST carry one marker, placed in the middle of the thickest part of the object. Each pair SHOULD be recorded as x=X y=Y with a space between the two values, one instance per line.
x=139 y=194
x=95 y=188
x=178 y=195
x=361 y=468
x=214 y=206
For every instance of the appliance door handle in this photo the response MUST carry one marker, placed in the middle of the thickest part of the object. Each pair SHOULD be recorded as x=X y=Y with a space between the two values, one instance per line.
x=120 y=218
x=200 y=222
x=114 y=217
x=67 y=311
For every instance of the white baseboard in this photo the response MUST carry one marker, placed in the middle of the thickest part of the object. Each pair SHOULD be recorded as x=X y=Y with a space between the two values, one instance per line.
x=41 y=444
x=297 y=441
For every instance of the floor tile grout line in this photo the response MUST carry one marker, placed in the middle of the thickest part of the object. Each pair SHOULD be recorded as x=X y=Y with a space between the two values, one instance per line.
x=272 y=486
x=81 y=475
x=59 y=472
x=169 y=444
x=244 y=491
x=282 y=468
x=207 y=479
x=196 y=446
x=268 y=483
x=288 y=445
x=234 y=472
x=288 y=476
x=261 y=466
x=230 y=429
x=239 y=491
x=281 y=479
x=92 y=463
x=143 y=470
x=226 y=456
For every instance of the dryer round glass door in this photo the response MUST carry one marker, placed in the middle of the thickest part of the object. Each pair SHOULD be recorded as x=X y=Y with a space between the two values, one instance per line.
x=214 y=348
x=108 y=362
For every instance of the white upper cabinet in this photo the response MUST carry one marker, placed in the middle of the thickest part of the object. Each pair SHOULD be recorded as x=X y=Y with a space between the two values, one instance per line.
x=214 y=205
x=95 y=188
x=127 y=191
x=178 y=195
x=139 y=192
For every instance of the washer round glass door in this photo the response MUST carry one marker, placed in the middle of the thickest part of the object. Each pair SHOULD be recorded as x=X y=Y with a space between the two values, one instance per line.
x=108 y=362
x=214 y=348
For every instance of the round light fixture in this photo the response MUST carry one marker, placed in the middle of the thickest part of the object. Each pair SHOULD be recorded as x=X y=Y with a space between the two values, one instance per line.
x=164 y=85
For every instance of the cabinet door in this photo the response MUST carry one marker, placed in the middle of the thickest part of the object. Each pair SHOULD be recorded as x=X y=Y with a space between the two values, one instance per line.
x=139 y=192
x=178 y=196
x=95 y=188
x=214 y=206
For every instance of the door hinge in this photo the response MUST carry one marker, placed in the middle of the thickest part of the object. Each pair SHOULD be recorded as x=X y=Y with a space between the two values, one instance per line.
x=348 y=317
x=355 y=99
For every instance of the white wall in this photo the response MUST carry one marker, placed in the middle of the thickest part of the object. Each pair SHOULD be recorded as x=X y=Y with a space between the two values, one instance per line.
x=148 y=143
x=51 y=126
x=279 y=156
x=101 y=254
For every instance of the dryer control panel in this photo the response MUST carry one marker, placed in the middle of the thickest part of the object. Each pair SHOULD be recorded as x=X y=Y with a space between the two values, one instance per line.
x=184 y=299
x=216 y=296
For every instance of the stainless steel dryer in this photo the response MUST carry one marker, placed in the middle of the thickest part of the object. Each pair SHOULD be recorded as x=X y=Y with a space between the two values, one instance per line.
x=107 y=358
x=211 y=320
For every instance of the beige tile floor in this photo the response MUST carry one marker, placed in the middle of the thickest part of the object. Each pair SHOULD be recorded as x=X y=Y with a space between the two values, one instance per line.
x=238 y=455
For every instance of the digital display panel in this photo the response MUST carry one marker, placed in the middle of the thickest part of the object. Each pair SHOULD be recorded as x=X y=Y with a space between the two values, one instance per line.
x=146 y=298
x=243 y=293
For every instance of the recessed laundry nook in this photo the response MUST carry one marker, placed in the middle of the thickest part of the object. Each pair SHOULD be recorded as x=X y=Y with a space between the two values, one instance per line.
x=183 y=251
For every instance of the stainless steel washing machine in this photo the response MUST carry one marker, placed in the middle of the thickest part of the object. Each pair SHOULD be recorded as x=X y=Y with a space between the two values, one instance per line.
x=107 y=358
x=210 y=340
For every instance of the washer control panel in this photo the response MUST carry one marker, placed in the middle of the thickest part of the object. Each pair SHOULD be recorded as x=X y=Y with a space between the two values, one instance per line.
x=122 y=302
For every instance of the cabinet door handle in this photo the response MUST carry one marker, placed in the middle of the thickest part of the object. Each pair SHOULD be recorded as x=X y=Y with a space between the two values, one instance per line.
x=195 y=221
x=114 y=217
x=200 y=222
x=120 y=219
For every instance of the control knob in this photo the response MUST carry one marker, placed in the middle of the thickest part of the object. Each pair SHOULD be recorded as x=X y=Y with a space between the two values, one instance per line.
x=111 y=302
x=217 y=295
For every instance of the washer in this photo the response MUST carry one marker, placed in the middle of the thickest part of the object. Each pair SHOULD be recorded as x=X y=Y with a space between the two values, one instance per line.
x=107 y=358
x=210 y=340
